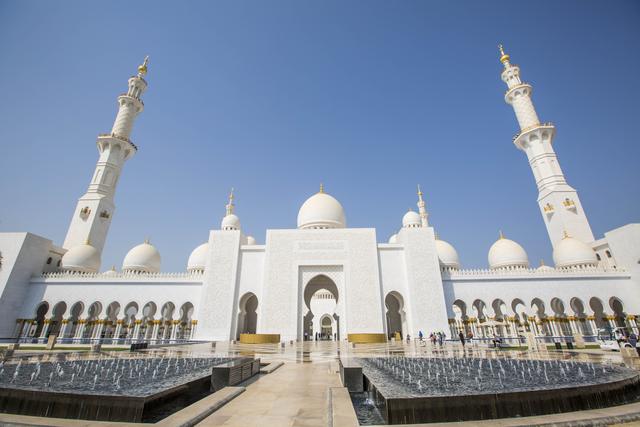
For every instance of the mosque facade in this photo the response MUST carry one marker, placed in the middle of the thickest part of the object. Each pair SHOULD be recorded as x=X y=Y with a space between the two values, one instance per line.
x=322 y=277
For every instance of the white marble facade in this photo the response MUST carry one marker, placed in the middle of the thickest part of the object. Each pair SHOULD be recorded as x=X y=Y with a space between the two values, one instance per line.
x=321 y=277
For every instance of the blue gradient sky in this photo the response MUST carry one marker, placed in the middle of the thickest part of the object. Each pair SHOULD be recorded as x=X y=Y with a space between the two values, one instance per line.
x=274 y=97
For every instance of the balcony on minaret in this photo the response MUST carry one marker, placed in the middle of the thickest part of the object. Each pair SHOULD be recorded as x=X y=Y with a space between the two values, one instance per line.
x=527 y=135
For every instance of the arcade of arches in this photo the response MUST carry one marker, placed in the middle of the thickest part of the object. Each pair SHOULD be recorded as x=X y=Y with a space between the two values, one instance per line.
x=557 y=318
x=128 y=323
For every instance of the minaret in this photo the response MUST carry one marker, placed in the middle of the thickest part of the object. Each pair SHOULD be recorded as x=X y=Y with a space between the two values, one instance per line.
x=559 y=203
x=422 y=209
x=94 y=210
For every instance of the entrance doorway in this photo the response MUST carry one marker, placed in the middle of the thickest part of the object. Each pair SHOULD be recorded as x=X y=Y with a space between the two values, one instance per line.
x=248 y=315
x=396 y=317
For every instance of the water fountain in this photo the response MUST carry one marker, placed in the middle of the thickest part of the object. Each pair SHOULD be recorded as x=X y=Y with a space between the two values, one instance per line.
x=435 y=389
x=102 y=387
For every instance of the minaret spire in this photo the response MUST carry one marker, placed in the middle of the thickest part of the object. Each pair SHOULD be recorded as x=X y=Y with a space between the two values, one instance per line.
x=559 y=203
x=94 y=210
x=424 y=216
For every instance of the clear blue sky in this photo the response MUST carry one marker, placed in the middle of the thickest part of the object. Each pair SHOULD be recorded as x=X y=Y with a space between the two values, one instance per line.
x=273 y=97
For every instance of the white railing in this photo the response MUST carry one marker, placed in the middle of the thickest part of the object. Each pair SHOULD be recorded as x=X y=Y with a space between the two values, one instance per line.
x=128 y=275
x=578 y=271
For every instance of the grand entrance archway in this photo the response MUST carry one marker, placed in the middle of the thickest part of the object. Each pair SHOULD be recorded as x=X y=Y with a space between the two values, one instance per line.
x=321 y=312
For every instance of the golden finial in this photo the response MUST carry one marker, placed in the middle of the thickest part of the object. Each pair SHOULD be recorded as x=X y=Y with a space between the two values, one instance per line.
x=419 y=190
x=501 y=235
x=146 y=241
x=503 y=56
x=113 y=268
x=437 y=236
x=230 y=204
x=541 y=263
x=142 y=69
x=321 y=188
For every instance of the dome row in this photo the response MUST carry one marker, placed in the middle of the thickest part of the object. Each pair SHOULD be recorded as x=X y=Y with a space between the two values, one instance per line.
x=143 y=258
x=505 y=254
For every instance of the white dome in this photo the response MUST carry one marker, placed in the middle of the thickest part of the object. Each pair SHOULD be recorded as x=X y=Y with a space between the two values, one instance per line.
x=506 y=253
x=570 y=252
x=81 y=258
x=230 y=222
x=411 y=219
x=111 y=272
x=143 y=258
x=321 y=211
x=198 y=258
x=393 y=238
x=251 y=240
x=447 y=254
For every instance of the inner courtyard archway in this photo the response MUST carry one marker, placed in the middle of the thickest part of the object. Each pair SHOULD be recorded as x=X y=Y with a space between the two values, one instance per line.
x=321 y=299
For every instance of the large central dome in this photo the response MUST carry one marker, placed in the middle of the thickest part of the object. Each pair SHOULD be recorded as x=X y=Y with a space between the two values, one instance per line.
x=321 y=211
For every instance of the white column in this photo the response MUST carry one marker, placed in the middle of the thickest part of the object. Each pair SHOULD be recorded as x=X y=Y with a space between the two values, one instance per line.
x=194 y=324
x=63 y=328
x=174 y=329
x=98 y=328
x=154 y=332
x=136 y=330
x=118 y=331
x=80 y=324
x=45 y=328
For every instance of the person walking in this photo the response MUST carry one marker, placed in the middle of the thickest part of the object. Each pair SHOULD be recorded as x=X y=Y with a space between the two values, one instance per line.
x=420 y=335
x=633 y=340
x=462 y=340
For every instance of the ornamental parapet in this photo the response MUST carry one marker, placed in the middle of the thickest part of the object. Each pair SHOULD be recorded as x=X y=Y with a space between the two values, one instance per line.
x=120 y=276
x=631 y=317
x=530 y=272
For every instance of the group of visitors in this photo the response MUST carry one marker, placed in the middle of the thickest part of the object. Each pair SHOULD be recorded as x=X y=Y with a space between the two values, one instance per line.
x=321 y=336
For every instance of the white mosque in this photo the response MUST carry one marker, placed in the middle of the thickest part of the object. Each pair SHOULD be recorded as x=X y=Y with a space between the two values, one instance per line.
x=321 y=277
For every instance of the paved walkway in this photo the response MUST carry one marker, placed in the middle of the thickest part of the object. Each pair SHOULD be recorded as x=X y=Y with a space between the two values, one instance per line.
x=294 y=395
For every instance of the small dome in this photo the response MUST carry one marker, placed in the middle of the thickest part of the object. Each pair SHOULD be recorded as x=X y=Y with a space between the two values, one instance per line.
x=82 y=259
x=143 y=258
x=447 y=254
x=111 y=272
x=393 y=238
x=230 y=222
x=411 y=219
x=198 y=258
x=506 y=253
x=321 y=211
x=251 y=240
x=571 y=252
x=544 y=267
